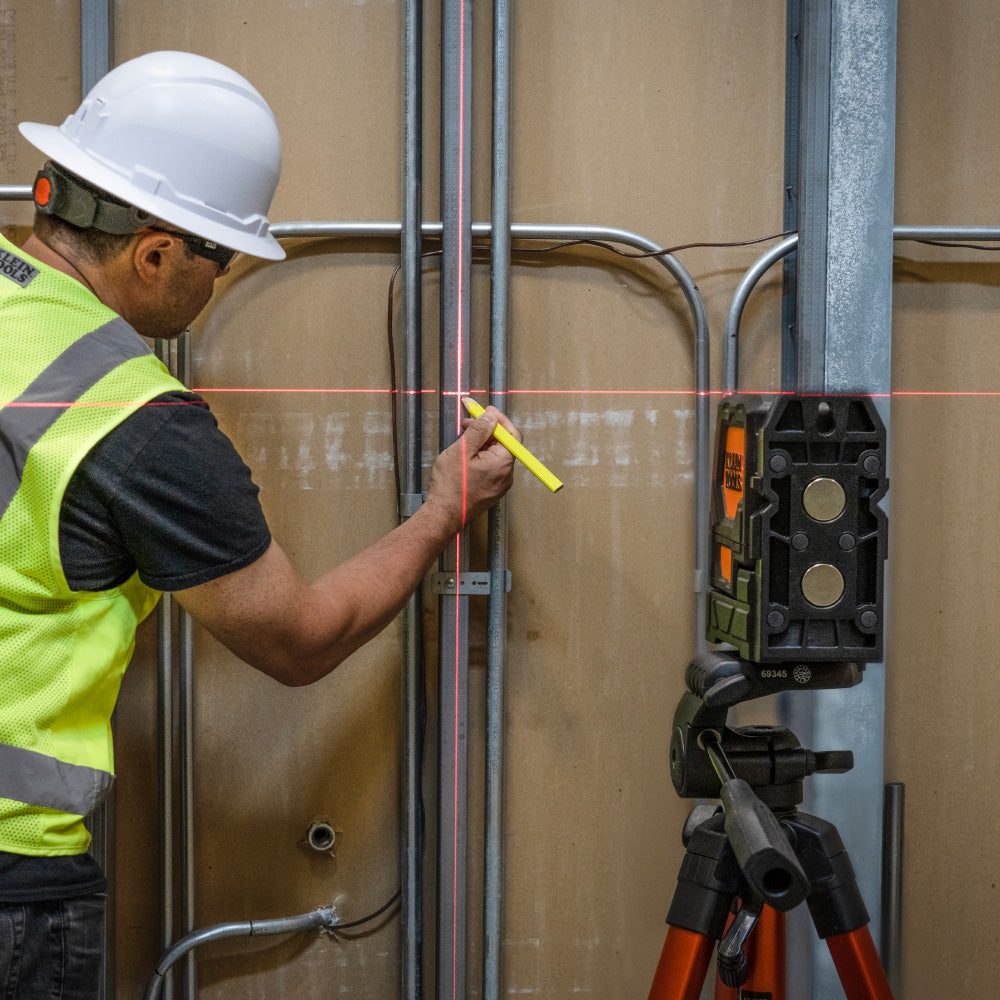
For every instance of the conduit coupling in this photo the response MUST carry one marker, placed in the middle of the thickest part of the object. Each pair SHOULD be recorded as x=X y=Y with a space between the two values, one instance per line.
x=324 y=917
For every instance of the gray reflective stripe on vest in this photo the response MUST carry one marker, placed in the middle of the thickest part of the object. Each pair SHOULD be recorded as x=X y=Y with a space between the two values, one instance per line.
x=84 y=363
x=40 y=780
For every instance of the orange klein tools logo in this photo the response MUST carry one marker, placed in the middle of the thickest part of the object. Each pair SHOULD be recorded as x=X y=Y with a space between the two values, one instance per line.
x=733 y=471
x=733 y=488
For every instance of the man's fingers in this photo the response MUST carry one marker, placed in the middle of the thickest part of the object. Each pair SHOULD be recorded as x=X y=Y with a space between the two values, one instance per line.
x=496 y=417
x=478 y=433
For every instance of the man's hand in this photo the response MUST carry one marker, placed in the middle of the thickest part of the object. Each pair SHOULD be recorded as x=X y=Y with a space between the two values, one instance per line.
x=475 y=471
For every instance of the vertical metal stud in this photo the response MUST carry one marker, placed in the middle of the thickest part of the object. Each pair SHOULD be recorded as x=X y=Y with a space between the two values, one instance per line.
x=96 y=41
x=844 y=288
x=496 y=639
x=790 y=201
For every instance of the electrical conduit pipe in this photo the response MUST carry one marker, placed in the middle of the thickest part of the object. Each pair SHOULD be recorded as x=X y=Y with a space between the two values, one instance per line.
x=324 y=917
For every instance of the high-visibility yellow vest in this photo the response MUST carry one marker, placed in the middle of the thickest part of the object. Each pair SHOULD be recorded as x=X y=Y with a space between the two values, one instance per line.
x=70 y=370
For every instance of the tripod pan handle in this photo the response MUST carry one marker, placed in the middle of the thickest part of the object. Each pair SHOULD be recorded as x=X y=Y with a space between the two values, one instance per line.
x=761 y=847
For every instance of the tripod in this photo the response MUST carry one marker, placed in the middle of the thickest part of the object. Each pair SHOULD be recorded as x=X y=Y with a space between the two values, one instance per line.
x=758 y=851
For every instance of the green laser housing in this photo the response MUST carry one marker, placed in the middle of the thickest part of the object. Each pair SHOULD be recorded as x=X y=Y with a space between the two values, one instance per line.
x=798 y=539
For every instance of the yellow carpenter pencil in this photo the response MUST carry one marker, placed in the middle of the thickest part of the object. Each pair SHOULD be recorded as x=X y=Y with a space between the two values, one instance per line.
x=517 y=449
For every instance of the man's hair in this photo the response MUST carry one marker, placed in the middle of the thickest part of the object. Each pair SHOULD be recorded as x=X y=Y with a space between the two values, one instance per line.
x=90 y=239
x=95 y=246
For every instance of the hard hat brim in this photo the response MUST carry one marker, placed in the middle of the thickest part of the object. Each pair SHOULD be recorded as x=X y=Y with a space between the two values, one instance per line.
x=53 y=143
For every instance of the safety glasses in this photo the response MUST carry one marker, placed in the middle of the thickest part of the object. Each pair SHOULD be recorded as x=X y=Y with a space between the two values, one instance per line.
x=220 y=255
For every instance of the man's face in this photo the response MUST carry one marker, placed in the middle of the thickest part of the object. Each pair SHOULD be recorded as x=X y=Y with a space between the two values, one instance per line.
x=192 y=288
x=184 y=289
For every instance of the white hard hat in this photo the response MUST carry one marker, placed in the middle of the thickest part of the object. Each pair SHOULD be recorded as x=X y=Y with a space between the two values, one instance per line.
x=182 y=137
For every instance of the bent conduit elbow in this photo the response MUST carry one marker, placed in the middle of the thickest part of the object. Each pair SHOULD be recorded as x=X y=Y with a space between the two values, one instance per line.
x=325 y=916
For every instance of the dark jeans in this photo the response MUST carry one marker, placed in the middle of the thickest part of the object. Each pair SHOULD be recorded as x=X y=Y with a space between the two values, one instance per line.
x=52 y=950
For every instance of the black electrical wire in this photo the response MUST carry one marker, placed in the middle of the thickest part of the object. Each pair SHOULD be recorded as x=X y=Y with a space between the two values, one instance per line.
x=641 y=254
x=484 y=250
x=394 y=386
x=633 y=255
x=950 y=243
x=338 y=927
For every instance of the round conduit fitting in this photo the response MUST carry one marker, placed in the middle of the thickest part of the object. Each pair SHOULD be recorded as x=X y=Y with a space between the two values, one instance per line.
x=321 y=837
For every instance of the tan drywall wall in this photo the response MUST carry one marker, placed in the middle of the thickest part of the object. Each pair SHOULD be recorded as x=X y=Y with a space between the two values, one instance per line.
x=665 y=119
x=942 y=696
x=32 y=85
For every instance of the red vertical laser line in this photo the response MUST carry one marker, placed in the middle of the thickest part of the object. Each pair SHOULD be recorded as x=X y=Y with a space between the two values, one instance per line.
x=458 y=430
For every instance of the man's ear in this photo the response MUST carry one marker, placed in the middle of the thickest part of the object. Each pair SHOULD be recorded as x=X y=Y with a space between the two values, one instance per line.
x=152 y=252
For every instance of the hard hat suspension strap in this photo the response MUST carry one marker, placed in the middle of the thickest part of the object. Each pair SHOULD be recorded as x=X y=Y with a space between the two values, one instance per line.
x=61 y=193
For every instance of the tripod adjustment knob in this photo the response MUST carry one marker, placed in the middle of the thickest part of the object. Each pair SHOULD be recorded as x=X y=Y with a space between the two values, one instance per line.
x=732 y=969
x=731 y=960
x=832 y=762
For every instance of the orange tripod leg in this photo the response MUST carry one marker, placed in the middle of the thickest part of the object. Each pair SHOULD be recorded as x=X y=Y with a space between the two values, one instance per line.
x=765 y=951
x=858 y=966
x=680 y=973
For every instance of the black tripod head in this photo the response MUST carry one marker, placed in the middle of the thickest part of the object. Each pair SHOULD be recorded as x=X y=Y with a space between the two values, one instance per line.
x=769 y=758
x=757 y=771
x=758 y=851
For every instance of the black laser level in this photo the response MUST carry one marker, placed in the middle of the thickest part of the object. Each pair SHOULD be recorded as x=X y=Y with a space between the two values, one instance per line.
x=798 y=537
x=798 y=553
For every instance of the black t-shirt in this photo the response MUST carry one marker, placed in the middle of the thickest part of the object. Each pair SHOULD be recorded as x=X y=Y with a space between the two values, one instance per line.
x=166 y=494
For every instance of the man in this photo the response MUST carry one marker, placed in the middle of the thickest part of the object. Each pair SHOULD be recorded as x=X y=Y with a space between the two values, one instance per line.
x=116 y=484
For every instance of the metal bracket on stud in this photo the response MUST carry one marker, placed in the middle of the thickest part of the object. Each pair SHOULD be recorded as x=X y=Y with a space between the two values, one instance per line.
x=464 y=584
x=409 y=503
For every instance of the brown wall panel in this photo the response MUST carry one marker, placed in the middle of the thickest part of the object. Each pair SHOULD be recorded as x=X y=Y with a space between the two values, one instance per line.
x=665 y=119
x=34 y=88
x=941 y=694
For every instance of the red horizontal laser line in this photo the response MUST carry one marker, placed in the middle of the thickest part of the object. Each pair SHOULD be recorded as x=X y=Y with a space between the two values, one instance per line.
x=618 y=392
x=895 y=393
x=401 y=392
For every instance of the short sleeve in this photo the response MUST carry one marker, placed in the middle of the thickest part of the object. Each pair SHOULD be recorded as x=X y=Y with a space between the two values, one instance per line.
x=165 y=494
